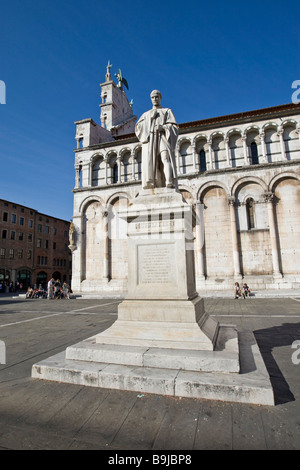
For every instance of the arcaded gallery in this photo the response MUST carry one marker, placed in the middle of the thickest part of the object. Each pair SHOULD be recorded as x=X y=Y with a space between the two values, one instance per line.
x=240 y=171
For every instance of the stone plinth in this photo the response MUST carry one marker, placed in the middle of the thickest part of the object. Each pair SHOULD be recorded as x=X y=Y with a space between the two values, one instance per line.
x=162 y=308
x=163 y=342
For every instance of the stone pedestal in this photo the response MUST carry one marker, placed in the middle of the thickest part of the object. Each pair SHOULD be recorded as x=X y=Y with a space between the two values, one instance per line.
x=162 y=308
x=163 y=342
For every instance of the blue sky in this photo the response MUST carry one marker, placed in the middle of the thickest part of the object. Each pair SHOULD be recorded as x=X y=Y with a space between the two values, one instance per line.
x=207 y=58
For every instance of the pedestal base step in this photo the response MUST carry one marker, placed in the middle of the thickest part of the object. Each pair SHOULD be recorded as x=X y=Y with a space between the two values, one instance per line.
x=251 y=385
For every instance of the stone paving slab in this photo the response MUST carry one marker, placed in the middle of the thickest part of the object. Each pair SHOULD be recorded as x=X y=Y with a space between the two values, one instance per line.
x=37 y=414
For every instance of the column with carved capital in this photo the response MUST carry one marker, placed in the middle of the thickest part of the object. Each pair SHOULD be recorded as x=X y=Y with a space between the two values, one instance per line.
x=177 y=154
x=119 y=159
x=210 y=154
x=269 y=197
x=282 y=146
x=244 y=140
x=106 y=163
x=133 y=165
x=263 y=147
x=200 y=240
x=77 y=176
x=235 y=244
x=227 y=151
x=194 y=157
x=105 y=246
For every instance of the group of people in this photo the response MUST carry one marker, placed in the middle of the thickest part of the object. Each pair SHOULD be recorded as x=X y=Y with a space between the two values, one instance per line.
x=55 y=290
x=58 y=291
x=241 y=291
x=9 y=286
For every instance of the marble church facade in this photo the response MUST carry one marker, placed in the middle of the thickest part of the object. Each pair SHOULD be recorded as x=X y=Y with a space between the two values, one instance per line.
x=240 y=171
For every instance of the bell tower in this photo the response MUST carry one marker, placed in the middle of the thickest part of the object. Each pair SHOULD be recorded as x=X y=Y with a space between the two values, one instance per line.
x=116 y=112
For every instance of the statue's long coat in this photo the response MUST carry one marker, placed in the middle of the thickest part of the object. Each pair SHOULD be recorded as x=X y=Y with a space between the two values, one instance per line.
x=145 y=132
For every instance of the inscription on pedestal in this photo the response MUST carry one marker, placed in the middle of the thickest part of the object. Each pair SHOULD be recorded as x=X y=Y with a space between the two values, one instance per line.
x=156 y=264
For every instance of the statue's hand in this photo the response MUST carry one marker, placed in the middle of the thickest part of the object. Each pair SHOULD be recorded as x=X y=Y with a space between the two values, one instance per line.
x=161 y=129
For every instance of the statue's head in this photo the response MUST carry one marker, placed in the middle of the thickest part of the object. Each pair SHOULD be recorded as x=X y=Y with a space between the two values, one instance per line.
x=155 y=96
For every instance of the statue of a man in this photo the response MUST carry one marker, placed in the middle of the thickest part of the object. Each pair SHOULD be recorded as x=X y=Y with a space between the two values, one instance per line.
x=72 y=234
x=157 y=129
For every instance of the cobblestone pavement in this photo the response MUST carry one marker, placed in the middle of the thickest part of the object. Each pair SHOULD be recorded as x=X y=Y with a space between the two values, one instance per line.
x=36 y=414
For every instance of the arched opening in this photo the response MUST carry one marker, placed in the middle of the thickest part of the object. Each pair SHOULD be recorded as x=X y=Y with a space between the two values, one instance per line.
x=41 y=278
x=254 y=153
x=24 y=278
x=115 y=173
x=202 y=156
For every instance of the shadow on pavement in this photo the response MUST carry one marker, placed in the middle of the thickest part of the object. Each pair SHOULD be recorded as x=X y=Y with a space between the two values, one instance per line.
x=275 y=337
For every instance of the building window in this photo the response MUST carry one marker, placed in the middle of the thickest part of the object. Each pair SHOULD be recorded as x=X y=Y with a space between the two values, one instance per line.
x=13 y=218
x=46 y=244
x=21 y=236
x=202 y=160
x=39 y=243
x=47 y=229
x=115 y=173
x=54 y=245
x=254 y=154
x=250 y=213
x=40 y=228
x=30 y=223
x=20 y=254
x=12 y=235
x=30 y=237
x=54 y=231
x=11 y=254
x=21 y=220
x=4 y=233
x=2 y=253
x=5 y=216
x=29 y=254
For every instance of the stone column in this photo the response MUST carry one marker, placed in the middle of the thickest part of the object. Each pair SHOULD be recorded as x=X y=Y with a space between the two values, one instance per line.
x=244 y=140
x=77 y=176
x=263 y=147
x=105 y=246
x=210 y=154
x=235 y=245
x=227 y=151
x=106 y=166
x=200 y=238
x=133 y=165
x=178 y=159
x=269 y=197
x=119 y=169
x=282 y=146
x=194 y=157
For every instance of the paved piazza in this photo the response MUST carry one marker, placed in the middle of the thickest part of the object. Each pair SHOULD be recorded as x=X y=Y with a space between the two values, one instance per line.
x=36 y=414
